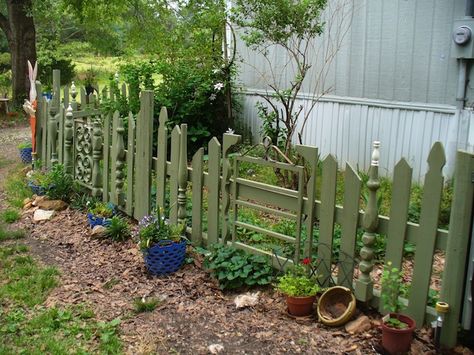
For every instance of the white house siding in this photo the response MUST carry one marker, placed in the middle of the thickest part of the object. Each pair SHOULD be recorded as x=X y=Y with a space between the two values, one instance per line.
x=393 y=80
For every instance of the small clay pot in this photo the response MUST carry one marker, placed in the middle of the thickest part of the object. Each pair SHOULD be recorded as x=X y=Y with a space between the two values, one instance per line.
x=395 y=340
x=300 y=306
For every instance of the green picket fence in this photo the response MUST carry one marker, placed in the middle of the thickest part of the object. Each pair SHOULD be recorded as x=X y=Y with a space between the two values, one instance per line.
x=91 y=145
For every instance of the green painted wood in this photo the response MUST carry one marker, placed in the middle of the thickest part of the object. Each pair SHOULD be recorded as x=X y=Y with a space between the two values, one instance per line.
x=183 y=174
x=83 y=98
x=120 y=163
x=60 y=144
x=364 y=284
x=174 y=171
x=113 y=158
x=228 y=141
x=68 y=141
x=97 y=151
x=457 y=248
x=106 y=155
x=144 y=139
x=39 y=125
x=310 y=154
x=130 y=164
x=352 y=187
x=56 y=101
x=235 y=204
x=66 y=97
x=53 y=135
x=327 y=217
x=402 y=176
x=162 y=156
x=214 y=164
x=197 y=186
x=45 y=149
x=299 y=215
x=423 y=262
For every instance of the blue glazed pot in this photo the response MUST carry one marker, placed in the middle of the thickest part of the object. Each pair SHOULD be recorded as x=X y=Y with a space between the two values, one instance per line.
x=165 y=257
x=37 y=190
x=25 y=155
x=97 y=221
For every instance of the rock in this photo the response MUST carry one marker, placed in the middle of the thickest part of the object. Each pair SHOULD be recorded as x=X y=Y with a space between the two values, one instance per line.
x=246 y=300
x=27 y=201
x=215 y=348
x=416 y=347
x=361 y=324
x=98 y=231
x=42 y=215
x=26 y=170
x=39 y=199
x=28 y=205
x=55 y=205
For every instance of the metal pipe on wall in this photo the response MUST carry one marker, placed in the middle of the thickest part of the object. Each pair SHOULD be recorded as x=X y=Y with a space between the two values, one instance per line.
x=462 y=77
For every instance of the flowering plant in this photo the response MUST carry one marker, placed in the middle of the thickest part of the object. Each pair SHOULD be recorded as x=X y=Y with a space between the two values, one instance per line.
x=154 y=228
x=297 y=283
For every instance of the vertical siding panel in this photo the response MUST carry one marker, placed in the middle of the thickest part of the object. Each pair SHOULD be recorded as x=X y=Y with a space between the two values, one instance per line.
x=372 y=53
x=357 y=53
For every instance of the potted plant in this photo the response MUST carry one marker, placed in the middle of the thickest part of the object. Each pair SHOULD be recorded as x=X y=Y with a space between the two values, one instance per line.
x=300 y=289
x=99 y=214
x=162 y=244
x=39 y=181
x=25 y=152
x=397 y=329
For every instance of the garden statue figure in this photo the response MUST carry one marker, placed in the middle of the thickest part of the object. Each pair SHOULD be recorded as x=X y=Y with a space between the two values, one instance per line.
x=31 y=105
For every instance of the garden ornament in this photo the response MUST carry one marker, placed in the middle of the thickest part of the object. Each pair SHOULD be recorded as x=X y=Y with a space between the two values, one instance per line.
x=30 y=105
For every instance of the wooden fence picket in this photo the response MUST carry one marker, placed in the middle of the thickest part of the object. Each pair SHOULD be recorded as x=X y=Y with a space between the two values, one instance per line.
x=130 y=164
x=213 y=187
x=174 y=170
x=106 y=155
x=161 y=159
x=197 y=186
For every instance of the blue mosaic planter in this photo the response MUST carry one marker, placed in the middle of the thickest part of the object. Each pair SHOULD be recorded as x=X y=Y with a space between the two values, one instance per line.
x=25 y=155
x=37 y=190
x=97 y=221
x=165 y=257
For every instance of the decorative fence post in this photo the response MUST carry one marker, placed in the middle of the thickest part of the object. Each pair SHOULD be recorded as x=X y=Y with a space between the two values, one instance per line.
x=96 y=157
x=73 y=96
x=364 y=284
x=53 y=134
x=228 y=141
x=68 y=141
x=182 y=175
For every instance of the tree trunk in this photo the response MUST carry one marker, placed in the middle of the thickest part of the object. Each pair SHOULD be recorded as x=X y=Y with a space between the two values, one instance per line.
x=20 y=31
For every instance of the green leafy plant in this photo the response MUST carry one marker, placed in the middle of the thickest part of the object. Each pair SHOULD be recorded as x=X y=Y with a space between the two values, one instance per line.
x=60 y=183
x=391 y=289
x=10 y=216
x=101 y=209
x=118 y=229
x=234 y=268
x=24 y=145
x=297 y=283
x=154 y=228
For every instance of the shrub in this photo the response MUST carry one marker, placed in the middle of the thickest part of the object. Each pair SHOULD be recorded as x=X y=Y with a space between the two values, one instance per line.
x=297 y=283
x=234 y=268
x=60 y=185
x=118 y=229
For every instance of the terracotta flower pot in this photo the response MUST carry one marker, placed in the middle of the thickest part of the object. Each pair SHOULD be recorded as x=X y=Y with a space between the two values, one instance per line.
x=300 y=306
x=396 y=340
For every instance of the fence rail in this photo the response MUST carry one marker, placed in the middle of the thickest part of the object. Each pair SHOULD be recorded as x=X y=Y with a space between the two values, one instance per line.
x=118 y=165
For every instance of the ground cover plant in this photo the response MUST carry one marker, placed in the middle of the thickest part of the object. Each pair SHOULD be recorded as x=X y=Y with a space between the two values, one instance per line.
x=10 y=215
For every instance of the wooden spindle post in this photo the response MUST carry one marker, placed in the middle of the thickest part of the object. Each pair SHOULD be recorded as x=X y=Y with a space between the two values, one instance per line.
x=96 y=157
x=229 y=140
x=73 y=95
x=120 y=162
x=182 y=175
x=68 y=141
x=364 y=284
x=53 y=133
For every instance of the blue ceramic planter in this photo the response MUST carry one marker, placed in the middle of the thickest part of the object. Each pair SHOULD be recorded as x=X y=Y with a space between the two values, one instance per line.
x=165 y=257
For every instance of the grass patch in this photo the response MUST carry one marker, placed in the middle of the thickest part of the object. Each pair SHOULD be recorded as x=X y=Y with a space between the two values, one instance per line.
x=142 y=305
x=10 y=216
x=11 y=235
x=16 y=190
x=27 y=327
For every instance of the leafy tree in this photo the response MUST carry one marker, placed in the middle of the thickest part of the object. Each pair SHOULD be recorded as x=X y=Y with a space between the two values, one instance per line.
x=295 y=27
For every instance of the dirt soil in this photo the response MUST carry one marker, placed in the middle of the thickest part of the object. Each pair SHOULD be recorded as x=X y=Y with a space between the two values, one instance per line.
x=194 y=313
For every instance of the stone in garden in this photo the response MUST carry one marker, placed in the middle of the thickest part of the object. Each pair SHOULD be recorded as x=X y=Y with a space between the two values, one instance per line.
x=98 y=231
x=359 y=325
x=246 y=300
x=42 y=215
x=27 y=201
x=27 y=206
x=38 y=199
x=215 y=348
x=55 y=205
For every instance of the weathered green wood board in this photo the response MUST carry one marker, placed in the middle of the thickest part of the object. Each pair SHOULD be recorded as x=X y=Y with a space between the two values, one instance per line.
x=130 y=164
x=174 y=170
x=197 y=186
x=327 y=217
x=213 y=191
x=162 y=156
x=113 y=161
x=458 y=242
x=352 y=187
x=423 y=262
x=106 y=154
x=144 y=150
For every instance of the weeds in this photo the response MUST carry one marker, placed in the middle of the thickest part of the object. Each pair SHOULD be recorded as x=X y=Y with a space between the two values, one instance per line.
x=10 y=216
x=142 y=305
x=11 y=235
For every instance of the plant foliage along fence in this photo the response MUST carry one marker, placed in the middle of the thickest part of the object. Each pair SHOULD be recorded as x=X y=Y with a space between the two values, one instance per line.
x=92 y=146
